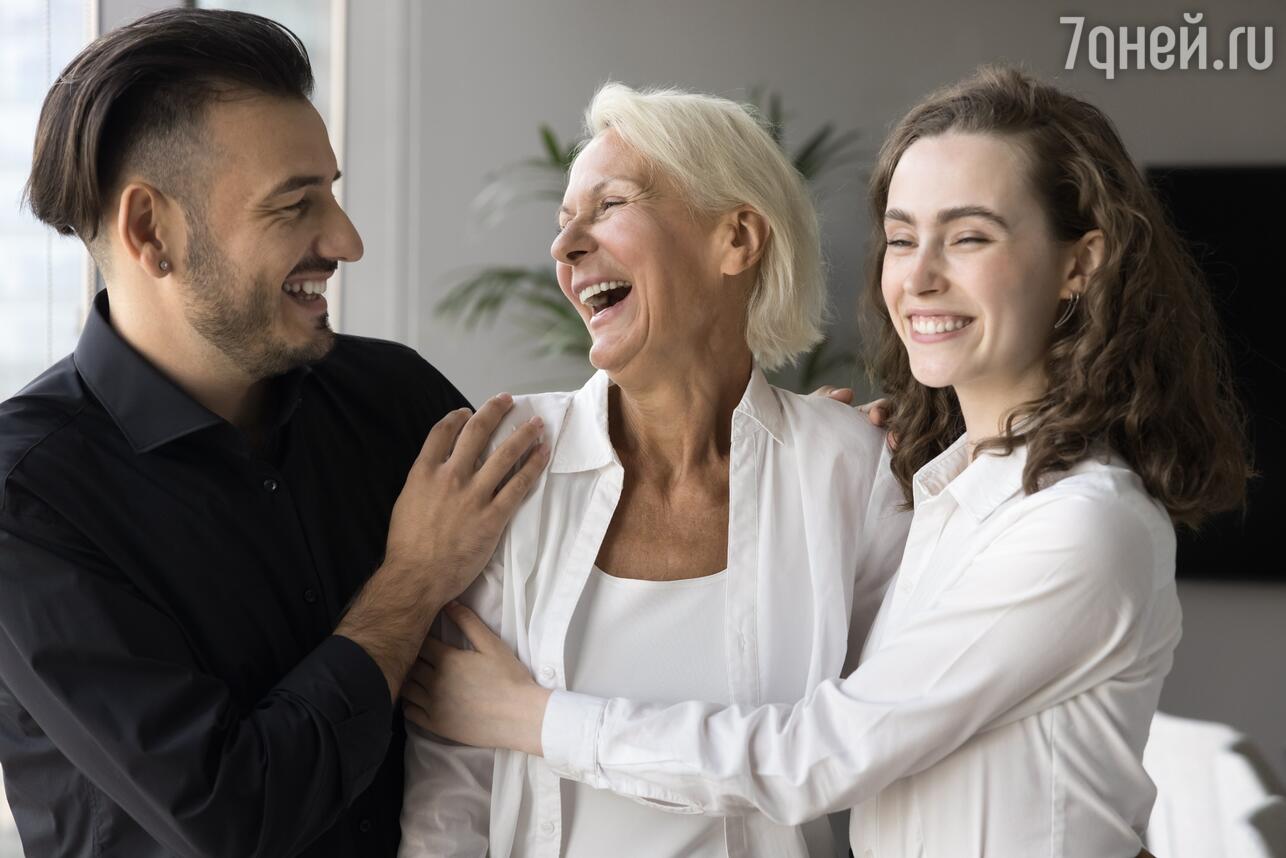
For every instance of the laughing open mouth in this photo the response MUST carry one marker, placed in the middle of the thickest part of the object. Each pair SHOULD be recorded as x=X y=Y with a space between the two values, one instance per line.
x=600 y=296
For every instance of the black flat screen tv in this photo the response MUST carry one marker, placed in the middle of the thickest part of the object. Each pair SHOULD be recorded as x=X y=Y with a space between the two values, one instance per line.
x=1234 y=220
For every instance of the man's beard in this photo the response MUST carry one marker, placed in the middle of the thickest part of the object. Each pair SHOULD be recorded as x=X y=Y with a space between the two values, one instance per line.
x=242 y=328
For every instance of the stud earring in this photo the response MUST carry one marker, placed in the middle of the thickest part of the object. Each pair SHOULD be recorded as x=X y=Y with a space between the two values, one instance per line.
x=165 y=265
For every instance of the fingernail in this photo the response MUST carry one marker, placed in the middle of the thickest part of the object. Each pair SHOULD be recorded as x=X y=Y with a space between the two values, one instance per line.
x=538 y=423
x=504 y=397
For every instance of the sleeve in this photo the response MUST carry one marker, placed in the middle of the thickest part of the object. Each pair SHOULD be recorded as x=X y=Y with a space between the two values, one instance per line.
x=112 y=682
x=1050 y=609
x=446 y=806
x=884 y=532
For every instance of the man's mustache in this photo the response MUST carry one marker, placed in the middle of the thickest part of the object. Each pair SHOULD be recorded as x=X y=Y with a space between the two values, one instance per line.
x=314 y=265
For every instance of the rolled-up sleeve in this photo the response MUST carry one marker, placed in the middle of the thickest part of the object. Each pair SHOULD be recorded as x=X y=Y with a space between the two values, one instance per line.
x=112 y=681
x=1053 y=607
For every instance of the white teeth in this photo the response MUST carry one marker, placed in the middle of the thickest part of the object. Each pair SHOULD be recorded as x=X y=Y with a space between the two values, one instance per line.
x=590 y=291
x=307 y=287
x=938 y=324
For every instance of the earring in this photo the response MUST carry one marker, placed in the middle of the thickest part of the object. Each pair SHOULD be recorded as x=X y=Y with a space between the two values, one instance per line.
x=1071 y=308
x=165 y=265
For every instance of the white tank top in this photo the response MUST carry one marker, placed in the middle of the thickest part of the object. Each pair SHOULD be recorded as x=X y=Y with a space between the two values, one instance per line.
x=649 y=640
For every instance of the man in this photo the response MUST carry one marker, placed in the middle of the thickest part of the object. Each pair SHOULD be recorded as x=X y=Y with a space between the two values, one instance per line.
x=216 y=569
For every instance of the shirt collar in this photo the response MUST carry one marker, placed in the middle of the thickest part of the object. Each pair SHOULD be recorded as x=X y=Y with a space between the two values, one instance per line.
x=585 y=443
x=980 y=486
x=760 y=404
x=149 y=408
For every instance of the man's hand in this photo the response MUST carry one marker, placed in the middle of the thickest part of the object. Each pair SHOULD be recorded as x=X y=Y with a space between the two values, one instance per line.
x=449 y=517
x=446 y=523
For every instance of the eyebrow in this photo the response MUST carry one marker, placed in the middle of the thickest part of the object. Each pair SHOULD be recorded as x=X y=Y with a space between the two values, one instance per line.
x=294 y=183
x=956 y=213
x=598 y=187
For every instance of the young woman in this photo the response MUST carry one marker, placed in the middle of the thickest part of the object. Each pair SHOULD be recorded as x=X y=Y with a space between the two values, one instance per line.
x=1061 y=401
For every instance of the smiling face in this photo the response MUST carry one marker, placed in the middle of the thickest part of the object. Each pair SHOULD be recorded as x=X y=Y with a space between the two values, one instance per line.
x=972 y=275
x=270 y=233
x=642 y=269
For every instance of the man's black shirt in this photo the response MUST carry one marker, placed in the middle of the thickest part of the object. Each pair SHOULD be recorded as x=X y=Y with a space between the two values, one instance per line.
x=169 y=681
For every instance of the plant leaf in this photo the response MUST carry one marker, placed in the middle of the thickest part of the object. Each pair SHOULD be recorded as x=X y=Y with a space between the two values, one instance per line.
x=553 y=149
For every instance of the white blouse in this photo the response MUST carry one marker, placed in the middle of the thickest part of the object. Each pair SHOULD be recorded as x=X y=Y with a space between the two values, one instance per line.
x=813 y=538
x=1002 y=701
x=661 y=640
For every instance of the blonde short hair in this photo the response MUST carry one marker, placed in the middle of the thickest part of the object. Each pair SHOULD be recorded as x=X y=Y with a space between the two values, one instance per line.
x=721 y=158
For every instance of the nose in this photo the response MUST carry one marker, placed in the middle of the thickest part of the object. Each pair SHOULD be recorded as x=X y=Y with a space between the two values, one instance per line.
x=339 y=239
x=924 y=273
x=572 y=243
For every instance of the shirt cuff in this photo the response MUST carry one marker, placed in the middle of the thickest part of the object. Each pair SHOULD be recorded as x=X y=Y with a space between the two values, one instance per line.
x=569 y=735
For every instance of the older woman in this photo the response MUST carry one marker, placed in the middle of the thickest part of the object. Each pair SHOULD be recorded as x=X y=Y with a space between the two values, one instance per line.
x=698 y=534
x=1061 y=402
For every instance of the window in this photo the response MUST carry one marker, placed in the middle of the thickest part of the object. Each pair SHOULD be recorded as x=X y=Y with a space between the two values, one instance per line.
x=45 y=281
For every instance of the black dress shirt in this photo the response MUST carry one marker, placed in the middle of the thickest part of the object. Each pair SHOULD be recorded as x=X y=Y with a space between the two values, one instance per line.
x=169 y=681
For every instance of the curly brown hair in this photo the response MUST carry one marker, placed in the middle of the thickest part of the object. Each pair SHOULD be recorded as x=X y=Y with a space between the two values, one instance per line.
x=1140 y=366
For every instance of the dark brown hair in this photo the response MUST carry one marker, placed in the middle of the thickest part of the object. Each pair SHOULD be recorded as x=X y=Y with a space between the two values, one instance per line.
x=134 y=99
x=1140 y=367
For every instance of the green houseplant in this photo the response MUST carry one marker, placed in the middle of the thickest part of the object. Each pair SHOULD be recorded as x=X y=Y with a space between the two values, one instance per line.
x=531 y=294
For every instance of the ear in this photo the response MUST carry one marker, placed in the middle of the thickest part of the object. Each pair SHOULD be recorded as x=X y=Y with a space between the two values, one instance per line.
x=150 y=229
x=1083 y=259
x=746 y=234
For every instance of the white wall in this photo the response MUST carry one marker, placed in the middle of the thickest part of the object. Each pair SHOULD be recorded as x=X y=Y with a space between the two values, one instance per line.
x=442 y=93
x=1231 y=662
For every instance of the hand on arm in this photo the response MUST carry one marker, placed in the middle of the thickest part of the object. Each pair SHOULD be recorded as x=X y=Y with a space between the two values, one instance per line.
x=445 y=525
x=877 y=411
x=482 y=697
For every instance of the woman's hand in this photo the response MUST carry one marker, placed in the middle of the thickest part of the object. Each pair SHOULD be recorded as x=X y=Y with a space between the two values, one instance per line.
x=482 y=697
x=876 y=412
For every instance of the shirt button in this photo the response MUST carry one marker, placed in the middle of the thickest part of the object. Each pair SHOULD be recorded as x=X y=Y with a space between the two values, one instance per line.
x=364 y=826
x=547 y=827
x=310 y=596
x=270 y=485
x=547 y=673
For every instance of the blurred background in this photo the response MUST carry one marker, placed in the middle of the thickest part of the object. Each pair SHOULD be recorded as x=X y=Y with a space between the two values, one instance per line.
x=452 y=118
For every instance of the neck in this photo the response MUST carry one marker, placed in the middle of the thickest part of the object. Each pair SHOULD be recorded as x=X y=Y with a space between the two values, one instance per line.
x=198 y=368
x=985 y=408
x=681 y=421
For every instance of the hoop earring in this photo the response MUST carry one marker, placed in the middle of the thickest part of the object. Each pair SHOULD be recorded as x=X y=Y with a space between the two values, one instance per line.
x=1071 y=308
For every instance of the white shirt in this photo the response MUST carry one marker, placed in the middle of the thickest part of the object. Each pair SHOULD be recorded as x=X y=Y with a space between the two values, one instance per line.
x=1003 y=698
x=660 y=640
x=813 y=538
